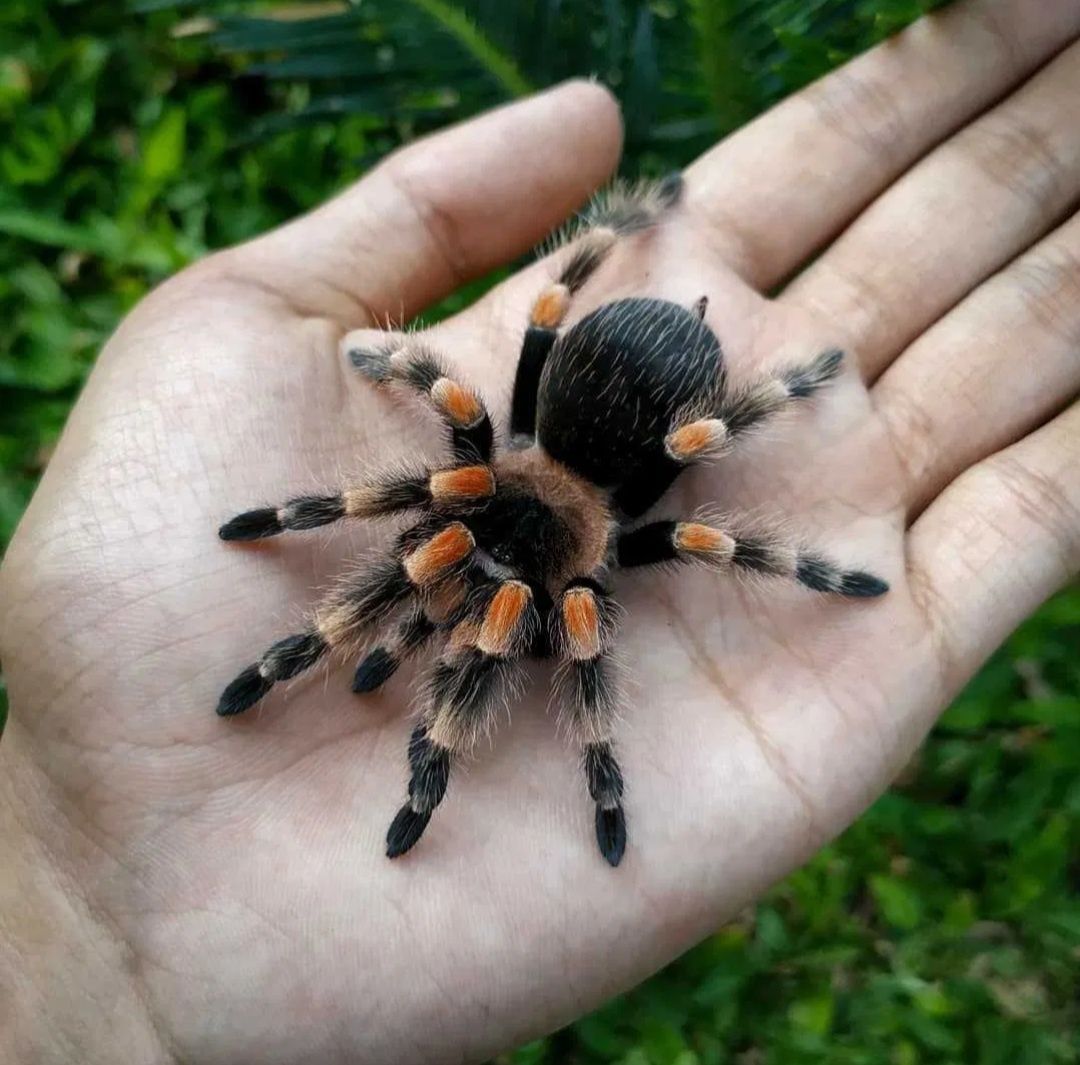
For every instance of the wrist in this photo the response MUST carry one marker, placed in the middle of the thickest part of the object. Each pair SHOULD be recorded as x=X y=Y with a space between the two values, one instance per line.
x=69 y=987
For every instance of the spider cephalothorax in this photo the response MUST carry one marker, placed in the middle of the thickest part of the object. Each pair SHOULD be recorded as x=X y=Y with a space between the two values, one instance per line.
x=511 y=549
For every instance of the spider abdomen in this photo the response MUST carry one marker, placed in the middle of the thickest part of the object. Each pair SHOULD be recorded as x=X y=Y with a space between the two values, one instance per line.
x=616 y=380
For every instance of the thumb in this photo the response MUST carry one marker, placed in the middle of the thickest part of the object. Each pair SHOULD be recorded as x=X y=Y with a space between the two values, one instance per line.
x=444 y=210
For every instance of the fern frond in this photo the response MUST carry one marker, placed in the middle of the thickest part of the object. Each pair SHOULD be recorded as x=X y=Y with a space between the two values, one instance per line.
x=722 y=65
x=459 y=26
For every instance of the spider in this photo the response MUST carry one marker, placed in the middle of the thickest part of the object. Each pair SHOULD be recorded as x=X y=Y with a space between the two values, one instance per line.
x=512 y=547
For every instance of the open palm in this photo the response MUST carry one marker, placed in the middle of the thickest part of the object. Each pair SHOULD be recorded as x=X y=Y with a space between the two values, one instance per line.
x=237 y=868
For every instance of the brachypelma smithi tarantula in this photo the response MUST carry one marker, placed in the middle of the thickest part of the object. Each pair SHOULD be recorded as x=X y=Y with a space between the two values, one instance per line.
x=511 y=550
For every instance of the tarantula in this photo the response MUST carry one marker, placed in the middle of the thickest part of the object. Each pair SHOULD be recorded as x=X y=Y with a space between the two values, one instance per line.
x=512 y=547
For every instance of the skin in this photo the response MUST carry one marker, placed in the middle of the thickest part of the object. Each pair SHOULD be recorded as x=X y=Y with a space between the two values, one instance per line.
x=178 y=887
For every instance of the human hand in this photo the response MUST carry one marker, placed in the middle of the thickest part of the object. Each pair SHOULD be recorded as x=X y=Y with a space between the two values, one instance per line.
x=184 y=887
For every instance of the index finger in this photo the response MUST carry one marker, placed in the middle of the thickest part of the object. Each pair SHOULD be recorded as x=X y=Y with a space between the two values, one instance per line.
x=443 y=210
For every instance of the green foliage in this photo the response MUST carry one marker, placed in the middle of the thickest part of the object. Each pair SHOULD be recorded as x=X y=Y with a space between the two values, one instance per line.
x=119 y=164
x=686 y=70
x=941 y=927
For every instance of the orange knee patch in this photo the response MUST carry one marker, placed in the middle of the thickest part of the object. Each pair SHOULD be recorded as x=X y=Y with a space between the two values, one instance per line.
x=581 y=623
x=461 y=405
x=503 y=619
x=442 y=552
x=550 y=307
x=704 y=540
x=706 y=437
x=468 y=482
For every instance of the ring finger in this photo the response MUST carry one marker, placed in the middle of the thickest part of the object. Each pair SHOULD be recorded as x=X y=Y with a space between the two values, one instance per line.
x=997 y=367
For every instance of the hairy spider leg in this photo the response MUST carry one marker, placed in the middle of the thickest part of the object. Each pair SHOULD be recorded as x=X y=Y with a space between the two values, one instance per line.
x=583 y=631
x=439 y=609
x=382 y=662
x=625 y=210
x=696 y=438
x=462 y=694
x=351 y=610
x=759 y=552
x=710 y=428
x=412 y=364
x=459 y=487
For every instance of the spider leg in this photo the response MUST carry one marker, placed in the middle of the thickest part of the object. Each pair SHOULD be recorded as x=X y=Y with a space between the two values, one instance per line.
x=583 y=630
x=351 y=611
x=382 y=662
x=712 y=429
x=417 y=367
x=743 y=410
x=690 y=442
x=760 y=552
x=440 y=609
x=645 y=488
x=620 y=212
x=462 y=695
x=390 y=493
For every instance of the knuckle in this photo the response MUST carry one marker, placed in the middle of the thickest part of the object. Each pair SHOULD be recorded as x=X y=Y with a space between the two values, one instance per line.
x=407 y=176
x=863 y=108
x=1015 y=154
x=946 y=641
x=1000 y=30
x=1036 y=496
x=862 y=303
x=1048 y=283
x=913 y=439
x=730 y=241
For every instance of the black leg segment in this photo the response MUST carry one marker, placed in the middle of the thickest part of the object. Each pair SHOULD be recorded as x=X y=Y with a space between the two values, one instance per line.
x=534 y=352
x=606 y=788
x=648 y=484
x=647 y=545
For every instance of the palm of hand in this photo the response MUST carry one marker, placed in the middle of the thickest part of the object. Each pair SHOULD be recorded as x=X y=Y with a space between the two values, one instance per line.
x=753 y=725
x=242 y=861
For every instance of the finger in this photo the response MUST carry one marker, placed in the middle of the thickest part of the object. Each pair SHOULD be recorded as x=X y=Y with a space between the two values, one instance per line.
x=980 y=198
x=445 y=209
x=1000 y=541
x=782 y=187
x=995 y=368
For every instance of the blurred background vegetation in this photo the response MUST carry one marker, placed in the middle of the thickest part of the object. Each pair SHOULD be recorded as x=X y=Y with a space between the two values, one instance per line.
x=944 y=926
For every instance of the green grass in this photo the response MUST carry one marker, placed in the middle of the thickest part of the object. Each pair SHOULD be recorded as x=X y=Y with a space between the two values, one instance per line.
x=943 y=927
